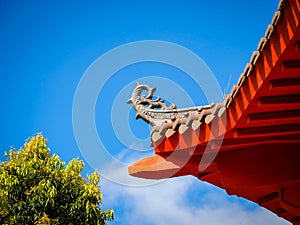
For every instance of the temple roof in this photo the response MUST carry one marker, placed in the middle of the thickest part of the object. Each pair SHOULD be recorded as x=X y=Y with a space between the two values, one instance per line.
x=249 y=143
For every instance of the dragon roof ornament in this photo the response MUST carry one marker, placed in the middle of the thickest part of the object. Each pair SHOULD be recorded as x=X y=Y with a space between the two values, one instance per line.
x=155 y=111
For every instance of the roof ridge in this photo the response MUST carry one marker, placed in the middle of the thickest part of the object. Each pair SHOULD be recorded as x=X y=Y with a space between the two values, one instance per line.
x=256 y=54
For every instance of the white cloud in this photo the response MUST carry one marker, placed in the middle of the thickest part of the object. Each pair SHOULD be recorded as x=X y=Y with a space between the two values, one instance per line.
x=117 y=170
x=182 y=201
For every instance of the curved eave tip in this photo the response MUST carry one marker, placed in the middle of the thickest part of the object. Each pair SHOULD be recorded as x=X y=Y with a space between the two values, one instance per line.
x=154 y=167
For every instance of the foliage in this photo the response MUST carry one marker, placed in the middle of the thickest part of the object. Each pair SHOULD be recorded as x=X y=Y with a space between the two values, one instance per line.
x=38 y=188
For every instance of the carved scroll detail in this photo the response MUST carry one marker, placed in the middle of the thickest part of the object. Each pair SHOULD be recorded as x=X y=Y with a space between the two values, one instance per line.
x=155 y=111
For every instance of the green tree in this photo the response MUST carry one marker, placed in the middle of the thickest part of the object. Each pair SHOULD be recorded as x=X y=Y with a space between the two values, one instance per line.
x=38 y=188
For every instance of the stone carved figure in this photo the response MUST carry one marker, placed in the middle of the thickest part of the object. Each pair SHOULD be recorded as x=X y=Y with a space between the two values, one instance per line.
x=155 y=111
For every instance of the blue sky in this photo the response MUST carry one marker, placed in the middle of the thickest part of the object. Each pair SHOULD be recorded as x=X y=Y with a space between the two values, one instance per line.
x=46 y=48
